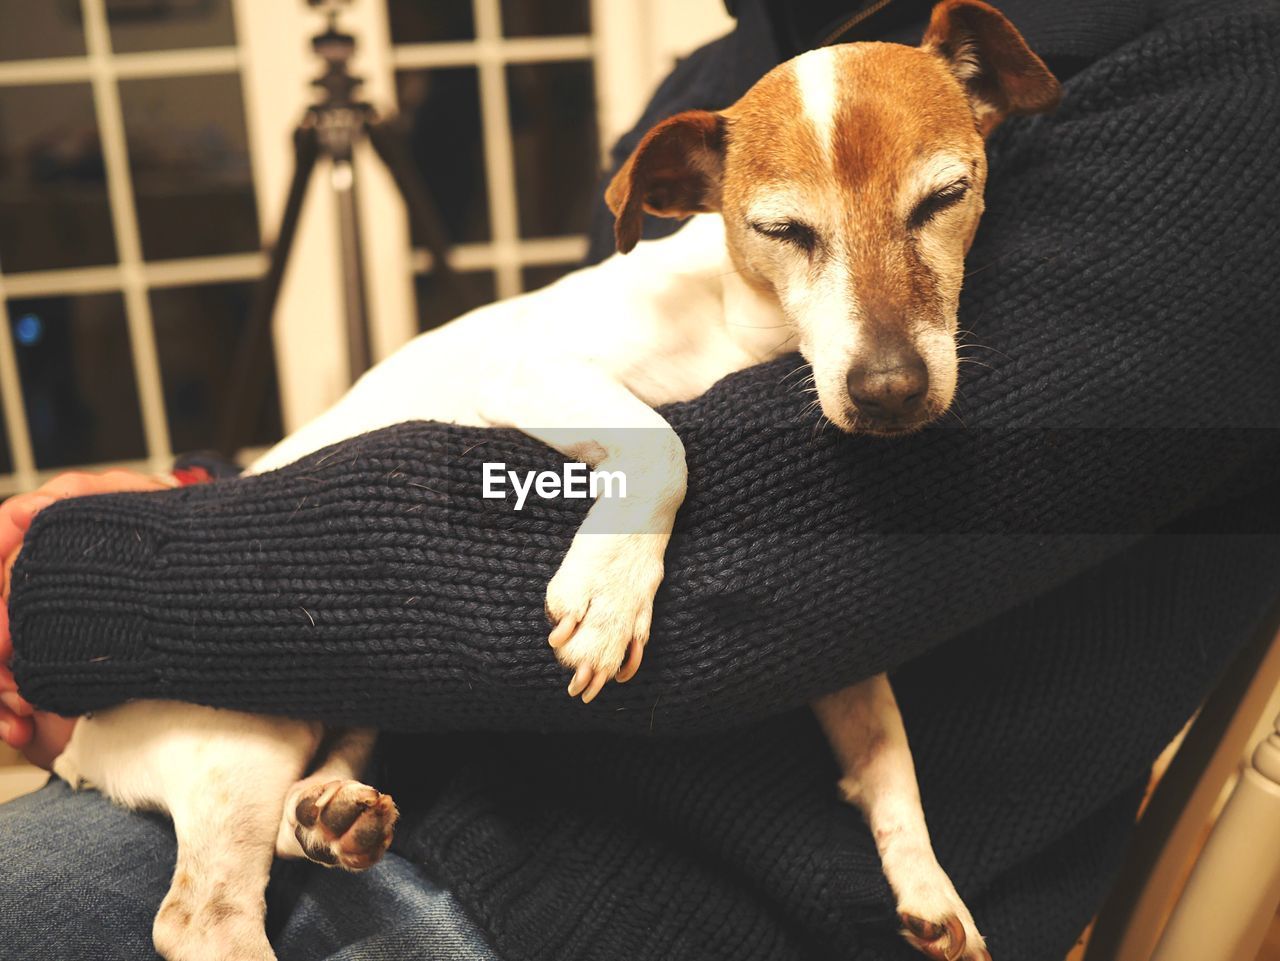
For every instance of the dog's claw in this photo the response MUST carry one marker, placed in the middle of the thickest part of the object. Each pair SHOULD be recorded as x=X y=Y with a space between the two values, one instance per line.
x=581 y=677
x=631 y=666
x=942 y=942
x=601 y=604
x=597 y=683
x=563 y=631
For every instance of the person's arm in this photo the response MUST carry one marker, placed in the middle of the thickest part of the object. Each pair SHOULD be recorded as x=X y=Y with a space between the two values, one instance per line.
x=41 y=735
x=1116 y=281
x=370 y=583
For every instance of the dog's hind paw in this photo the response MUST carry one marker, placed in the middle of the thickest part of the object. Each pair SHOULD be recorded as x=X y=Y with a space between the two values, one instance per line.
x=342 y=824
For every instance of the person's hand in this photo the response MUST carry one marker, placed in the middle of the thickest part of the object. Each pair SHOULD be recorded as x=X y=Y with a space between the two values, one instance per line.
x=39 y=735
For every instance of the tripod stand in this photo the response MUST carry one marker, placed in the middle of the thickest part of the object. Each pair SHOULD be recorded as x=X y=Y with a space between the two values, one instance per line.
x=331 y=129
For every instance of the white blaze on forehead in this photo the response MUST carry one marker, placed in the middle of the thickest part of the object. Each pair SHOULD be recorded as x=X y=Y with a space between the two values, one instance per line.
x=816 y=77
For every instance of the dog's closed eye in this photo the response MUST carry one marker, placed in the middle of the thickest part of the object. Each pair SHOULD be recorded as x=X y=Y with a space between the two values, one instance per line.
x=937 y=202
x=794 y=232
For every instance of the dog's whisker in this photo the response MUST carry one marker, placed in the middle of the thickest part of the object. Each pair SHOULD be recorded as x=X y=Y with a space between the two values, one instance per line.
x=819 y=425
x=994 y=350
x=987 y=266
x=787 y=376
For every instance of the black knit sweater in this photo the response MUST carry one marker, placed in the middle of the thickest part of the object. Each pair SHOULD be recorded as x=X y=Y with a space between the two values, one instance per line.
x=1078 y=554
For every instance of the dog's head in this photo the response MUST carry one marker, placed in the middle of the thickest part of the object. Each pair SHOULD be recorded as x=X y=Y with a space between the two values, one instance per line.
x=850 y=180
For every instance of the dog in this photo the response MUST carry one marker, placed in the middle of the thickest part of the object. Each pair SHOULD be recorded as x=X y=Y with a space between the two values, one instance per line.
x=831 y=211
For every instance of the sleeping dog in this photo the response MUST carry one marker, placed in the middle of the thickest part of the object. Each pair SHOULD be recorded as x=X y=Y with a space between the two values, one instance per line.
x=832 y=207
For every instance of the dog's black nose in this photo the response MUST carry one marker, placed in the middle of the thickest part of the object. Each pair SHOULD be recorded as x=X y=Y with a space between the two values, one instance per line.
x=889 y=385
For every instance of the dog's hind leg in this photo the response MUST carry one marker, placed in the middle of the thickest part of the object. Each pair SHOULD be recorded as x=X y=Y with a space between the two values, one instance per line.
x=329 y=816
x=222 y=776
x=864 y=727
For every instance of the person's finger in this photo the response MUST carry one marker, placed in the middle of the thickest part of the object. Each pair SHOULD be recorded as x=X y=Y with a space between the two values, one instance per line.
x=22 y=510
x=10 y=699
x=9 y=696
x=48 y=738
x=16 y=704
x=6 y=643
x=127 y=480
x=10 y=536
x=15 y=731
x=70 y=484
x=78 y=484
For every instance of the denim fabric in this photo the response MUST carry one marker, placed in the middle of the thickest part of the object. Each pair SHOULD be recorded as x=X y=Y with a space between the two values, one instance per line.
x=81 y=880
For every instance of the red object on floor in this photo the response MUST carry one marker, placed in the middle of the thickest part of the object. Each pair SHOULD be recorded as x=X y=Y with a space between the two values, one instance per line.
x=186 y=476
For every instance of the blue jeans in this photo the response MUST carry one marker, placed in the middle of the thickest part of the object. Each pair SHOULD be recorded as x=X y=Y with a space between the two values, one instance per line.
x=81 y=880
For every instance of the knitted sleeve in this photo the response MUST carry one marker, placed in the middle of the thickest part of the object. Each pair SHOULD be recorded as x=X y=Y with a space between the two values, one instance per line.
x=1120 y=298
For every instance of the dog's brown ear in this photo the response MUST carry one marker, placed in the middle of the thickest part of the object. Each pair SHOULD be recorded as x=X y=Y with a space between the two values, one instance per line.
x=676 y=171
x=988 y=56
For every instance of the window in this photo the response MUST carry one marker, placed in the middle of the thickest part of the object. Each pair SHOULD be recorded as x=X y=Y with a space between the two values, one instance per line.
x=498 y=98
x=128 y=222
x=145 y=151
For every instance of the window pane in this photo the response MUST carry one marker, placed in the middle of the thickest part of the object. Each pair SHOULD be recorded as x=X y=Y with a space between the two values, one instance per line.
x=54 y=210
x=424 y=21
x=531 y=278
x=527 y=18
x=190 y=160
x=77 y=379
x=553 y=130
x=441 y=110
x=197 y=333
x=169 y=24
x=42 y=28
x=434 y=304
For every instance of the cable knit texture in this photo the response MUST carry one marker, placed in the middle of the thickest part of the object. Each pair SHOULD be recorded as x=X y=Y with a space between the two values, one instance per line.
x=1079 y=552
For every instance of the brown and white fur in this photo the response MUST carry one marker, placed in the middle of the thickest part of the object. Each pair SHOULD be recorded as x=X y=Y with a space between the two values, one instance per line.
x=836 y=201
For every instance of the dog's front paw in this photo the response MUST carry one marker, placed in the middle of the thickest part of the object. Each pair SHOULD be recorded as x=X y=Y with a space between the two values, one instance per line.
x=342 y=824
x=937 y=924
x=600 y=604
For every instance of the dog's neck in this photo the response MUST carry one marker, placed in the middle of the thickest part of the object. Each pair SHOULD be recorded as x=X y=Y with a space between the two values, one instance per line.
x=754 y=319
x=749 y=315
x=697 y=318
